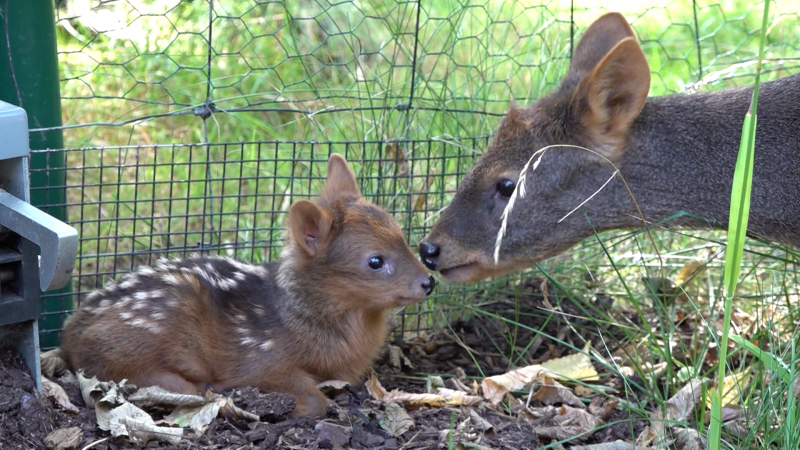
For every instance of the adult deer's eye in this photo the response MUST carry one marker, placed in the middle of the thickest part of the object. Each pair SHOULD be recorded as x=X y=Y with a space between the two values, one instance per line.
x=505 y=187
x=376 y=262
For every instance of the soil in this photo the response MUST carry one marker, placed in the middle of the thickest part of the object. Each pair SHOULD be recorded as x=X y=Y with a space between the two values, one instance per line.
x=27 y=420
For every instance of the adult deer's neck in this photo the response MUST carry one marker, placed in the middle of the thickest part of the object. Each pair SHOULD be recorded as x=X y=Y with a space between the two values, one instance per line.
x=683 y=148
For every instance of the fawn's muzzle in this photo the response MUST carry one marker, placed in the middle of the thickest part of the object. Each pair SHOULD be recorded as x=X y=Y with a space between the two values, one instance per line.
x=429 y=253
x=428 y=285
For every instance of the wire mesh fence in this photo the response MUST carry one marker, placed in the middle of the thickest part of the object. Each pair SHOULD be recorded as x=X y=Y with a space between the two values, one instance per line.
x=190 y=126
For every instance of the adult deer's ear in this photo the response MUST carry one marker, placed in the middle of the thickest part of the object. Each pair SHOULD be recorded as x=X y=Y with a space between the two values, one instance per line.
x=614 y=94
x=598 y=40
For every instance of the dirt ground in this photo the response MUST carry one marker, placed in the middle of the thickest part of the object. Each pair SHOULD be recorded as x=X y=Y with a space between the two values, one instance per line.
x=31 y=422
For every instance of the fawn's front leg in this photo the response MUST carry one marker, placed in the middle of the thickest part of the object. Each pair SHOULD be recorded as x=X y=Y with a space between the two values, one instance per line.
x=310 y=401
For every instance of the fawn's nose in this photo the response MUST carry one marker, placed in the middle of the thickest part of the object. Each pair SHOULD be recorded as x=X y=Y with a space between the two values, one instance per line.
x=429 y=253
x=428 y=285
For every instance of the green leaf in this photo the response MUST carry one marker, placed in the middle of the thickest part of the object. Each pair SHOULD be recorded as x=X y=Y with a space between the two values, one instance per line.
x=737 y=231
x=771 y=361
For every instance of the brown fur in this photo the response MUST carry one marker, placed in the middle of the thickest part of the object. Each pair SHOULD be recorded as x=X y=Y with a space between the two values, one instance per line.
x=320 y=313
x=677 y=153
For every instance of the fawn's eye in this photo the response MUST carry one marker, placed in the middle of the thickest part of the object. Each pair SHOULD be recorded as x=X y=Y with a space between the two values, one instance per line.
x=376 y=262
x=505 y=187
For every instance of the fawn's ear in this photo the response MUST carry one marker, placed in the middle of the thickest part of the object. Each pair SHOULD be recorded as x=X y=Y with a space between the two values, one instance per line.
x=614 y=94
x=597 y=41
x=341 y=180
x=310 y=226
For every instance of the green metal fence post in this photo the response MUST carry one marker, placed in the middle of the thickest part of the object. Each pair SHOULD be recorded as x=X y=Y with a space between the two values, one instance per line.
x=29 y=78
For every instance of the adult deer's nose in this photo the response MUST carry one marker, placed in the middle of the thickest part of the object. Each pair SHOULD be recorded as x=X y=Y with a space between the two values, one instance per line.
x=429 y=253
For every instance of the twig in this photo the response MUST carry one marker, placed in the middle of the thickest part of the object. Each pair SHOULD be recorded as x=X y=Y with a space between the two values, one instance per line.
x=96 y=443
x=410 y=440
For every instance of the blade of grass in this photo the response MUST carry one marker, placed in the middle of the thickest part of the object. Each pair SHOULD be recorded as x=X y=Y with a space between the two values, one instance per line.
x=737 y=231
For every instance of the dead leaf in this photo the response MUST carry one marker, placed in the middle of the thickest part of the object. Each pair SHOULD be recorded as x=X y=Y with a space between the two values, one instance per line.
x=64 y=438
x=646 y=437
x=479 y=422
x=129 y=420
x=469 y=446
x=422 y=198
x=92 y=390
x=682 y=404
x=678 y=409
x=496 y=387
x=195 y=417
x=616 y=445
x=52 y=363
x=463 y=436
x=57 y=394
x=577 y=366
x=442 y=397
x=690 y=271
x=154 y=395
x=602 y=408
x=395 y=152
x=229 y=409
x=550 y=392
x=433 y=382
x=397 y=359
x=732 y=387
x=688 y=439
x=333 y=384
x=396 y=421
x=198 y=417
x=567 y=422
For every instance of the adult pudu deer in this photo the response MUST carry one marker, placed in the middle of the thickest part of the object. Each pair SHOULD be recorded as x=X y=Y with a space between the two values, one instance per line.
x=319 y=313
x=677 y=153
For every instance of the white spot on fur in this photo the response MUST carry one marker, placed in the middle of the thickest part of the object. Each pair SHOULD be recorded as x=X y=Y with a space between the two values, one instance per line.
x=146 y=270
x=240 y=276
x=241 y=318
x=259 y=311
x=105 y=303
x=248 y=341
x=172 y=279
x=129 y=282
x=158 y=316
x=227 y=284
x=139 y=305
x=122 y=302
x=172 y=303
x=142 y=295
x=165 y=264
x=248 y=268
x=93 y=295
x=205 y=275
x=126 y=315
x=149 y=326
x=266 y=345
x=242 y=331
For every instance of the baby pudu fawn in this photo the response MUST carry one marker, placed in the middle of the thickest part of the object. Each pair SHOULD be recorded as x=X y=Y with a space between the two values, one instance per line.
x=319 y=313
x=676 y=153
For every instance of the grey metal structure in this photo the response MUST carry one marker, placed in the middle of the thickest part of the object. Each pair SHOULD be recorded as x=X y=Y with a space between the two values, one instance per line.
x=23 y=273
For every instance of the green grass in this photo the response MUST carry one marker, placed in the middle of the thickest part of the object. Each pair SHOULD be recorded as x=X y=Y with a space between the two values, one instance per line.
x=142 y=186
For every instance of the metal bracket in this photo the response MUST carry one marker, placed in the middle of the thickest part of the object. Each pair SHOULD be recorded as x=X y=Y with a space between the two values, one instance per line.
x=58 y=241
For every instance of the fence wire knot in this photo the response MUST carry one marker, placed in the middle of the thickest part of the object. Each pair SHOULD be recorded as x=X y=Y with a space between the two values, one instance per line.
x=205 y=111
